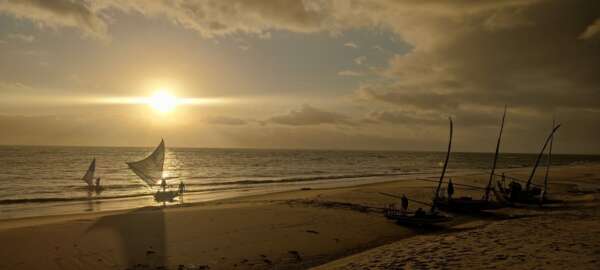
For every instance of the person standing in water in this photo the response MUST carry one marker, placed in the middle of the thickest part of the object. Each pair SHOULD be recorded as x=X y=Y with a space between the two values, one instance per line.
x=163 y=184
x=181 y=190
x=97 y=187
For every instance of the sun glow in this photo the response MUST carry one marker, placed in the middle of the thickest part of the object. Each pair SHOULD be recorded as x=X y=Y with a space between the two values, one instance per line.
x=163 y=101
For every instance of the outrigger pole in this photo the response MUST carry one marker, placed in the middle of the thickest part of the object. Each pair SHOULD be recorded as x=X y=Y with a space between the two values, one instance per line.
x=549 y=161
x=489 y=185
x=437 y=191
x=537 y=161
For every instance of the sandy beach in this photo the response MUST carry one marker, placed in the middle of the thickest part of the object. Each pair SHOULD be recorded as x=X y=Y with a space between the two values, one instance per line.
x=332 y=228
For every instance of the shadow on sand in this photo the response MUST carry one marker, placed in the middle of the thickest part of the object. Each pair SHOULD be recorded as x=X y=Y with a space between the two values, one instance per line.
x=141 y=234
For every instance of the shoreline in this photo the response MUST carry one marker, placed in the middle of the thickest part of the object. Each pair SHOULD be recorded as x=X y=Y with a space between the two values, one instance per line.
x=293 y=229
x=32 y=209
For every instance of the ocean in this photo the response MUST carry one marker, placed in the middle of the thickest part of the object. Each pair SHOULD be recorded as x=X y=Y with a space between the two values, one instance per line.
x=46 y=180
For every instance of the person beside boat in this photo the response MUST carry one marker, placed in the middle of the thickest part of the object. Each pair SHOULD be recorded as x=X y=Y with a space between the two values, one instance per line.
x=163 y=184
x=97 y=187
x=404 y=204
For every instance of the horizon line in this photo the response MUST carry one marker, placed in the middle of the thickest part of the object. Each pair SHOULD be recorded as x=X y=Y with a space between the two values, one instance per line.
x=292 y=149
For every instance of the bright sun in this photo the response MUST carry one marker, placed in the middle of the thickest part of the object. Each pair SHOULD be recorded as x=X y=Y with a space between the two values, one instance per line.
x=163 y=101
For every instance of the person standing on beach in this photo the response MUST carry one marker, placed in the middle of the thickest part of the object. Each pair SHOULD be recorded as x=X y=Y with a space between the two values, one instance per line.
x=404 y=203
x=450 y=189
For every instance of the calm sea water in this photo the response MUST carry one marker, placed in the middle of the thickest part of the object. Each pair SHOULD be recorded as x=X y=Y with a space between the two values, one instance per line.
x=35 y=175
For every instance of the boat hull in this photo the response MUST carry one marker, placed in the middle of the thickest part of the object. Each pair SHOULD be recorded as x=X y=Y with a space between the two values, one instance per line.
x=166 y=196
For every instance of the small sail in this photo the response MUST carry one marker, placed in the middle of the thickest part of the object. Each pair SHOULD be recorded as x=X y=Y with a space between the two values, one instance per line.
x=150 y=169
x=89 y=175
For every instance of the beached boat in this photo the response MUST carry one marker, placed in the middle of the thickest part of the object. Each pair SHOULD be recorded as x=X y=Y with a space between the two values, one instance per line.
x=150 y=170
x=531 y=194
x=416 y=218
x=468 y=204
x=420 y=217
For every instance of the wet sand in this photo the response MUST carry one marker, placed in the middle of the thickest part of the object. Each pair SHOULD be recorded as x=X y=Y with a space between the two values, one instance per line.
x=335 y=228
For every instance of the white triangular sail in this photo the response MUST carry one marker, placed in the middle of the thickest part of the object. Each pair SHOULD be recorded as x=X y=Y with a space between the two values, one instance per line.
x=150 y=169
x=89 y=175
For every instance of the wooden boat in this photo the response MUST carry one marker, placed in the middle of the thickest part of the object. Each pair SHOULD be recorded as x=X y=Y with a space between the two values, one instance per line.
x=468 y=204
x=417 y=219
x=420 y=217
x=150 y=170
x=531 y=194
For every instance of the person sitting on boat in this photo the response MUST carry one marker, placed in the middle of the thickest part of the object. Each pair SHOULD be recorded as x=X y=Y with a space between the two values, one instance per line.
x=404 y=203
x=420 y=212
x=515 y=190
x=450 y=189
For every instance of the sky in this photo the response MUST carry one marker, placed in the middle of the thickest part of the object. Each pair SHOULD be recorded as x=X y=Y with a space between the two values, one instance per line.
x=316 y=74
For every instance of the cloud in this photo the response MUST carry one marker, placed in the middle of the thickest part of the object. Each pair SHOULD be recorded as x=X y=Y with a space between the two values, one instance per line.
x=59 y=13
x=349 y=73
x=308 y=115
x=460 y=60
x=360 y=60
x=591 y=31
x=224 y=120
x=22 y=37
x=351 y=45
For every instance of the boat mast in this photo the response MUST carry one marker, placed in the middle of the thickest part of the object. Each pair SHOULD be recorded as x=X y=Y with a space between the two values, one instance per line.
x=549 y=161
x=437 y=191
x=537 y=161
x=489 y=185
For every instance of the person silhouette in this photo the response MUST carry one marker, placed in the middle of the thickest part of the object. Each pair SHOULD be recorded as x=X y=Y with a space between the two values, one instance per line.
x=404 y=203
x=450 y=189
x=163 y=184
x=181 y=190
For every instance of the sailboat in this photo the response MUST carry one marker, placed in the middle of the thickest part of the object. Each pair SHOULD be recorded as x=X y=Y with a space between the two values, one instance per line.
x=89 y=177
x=468 y=204
x=531 y=194
x=420 y=217
x=150 y=170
